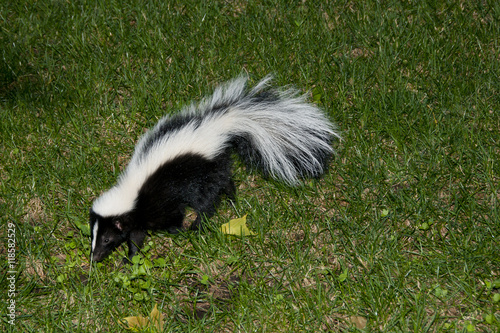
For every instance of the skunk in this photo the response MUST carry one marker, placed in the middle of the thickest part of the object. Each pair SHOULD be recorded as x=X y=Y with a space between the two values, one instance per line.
x=185 y=160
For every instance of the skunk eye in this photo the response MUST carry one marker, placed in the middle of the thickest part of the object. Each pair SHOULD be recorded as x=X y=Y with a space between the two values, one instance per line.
x=106 y=240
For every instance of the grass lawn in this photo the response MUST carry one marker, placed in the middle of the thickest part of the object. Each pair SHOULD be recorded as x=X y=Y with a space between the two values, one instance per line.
x=401 y=235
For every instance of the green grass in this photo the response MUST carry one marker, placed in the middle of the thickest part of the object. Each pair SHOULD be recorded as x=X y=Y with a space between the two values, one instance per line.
x=403 y=231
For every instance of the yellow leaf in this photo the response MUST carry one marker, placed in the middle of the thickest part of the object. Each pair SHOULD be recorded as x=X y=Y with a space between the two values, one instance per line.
x=139 y=323
x=155 y=318
x=135 y=323
x=237 y=227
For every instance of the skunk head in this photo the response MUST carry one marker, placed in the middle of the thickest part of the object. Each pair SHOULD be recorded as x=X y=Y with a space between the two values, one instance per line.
x=107 y=233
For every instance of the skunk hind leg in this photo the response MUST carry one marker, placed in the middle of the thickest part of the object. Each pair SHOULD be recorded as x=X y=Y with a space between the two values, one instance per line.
x=175 y=221
x=230 y=190
x=201 y=216
x=209 y=208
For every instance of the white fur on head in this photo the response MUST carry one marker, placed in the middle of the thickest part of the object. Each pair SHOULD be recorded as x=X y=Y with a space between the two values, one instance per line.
x=94 y=234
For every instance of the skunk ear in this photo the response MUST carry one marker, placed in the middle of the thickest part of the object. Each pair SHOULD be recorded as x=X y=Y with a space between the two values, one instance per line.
x=118 y=224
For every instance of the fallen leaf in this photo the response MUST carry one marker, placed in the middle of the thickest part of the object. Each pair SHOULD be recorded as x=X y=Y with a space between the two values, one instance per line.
x=237 y=227
x=358 y=321
x=155 y=319
x=135 y=323
x=138 y=323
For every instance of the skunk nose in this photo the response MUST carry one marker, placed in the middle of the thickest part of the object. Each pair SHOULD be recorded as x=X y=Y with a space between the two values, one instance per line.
x=95 y=257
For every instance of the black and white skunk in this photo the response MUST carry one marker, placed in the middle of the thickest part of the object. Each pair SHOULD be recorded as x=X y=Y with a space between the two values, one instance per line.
x=185 y=160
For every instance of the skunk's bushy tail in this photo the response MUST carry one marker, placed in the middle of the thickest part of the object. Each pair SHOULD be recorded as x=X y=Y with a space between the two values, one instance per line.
x=273 y=130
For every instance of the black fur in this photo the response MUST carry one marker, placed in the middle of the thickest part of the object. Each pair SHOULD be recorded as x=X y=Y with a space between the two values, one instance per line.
x=188 y=181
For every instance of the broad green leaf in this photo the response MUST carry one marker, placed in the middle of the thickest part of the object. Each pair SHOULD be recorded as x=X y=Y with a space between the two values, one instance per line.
x=160 y=262
x=317 y=93
x=424 y=226
x=342 y=277
x=204 y=279
x=136 y=259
